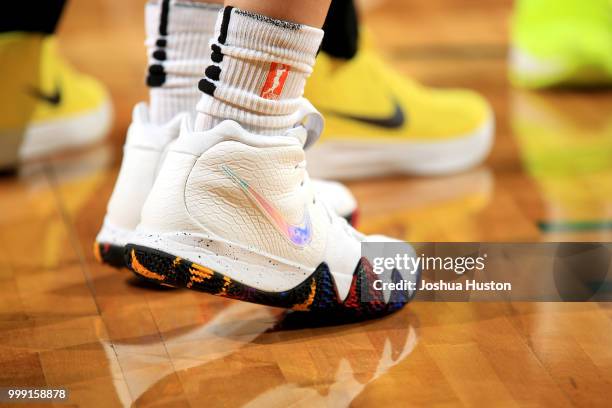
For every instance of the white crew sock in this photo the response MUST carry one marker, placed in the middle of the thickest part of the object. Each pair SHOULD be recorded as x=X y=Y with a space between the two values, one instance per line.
x=259 y=68
x=178 y=33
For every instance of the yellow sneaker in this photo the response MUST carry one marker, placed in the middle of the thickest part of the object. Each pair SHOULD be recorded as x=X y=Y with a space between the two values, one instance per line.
x=20 y=54
x=568 y=152
x=72 y=110
x=561 y=43
x=378 y=122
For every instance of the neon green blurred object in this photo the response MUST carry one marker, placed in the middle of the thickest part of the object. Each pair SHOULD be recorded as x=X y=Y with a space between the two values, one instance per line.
x=561 y=42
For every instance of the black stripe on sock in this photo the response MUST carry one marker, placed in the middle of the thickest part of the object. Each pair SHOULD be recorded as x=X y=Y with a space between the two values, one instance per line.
x=216 y=57
x=155 y=81
x=213 y=72
x=159 y=55
x=227 y=13
x=157 y=75
x=156 y=69
x=163 y=18
x=207 y=87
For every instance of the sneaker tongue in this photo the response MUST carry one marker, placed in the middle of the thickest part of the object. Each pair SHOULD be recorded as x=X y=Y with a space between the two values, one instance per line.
x=309 y=118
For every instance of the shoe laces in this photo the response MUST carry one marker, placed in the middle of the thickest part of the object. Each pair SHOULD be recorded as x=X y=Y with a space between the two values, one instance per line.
x=331 y=214
x=312 y=121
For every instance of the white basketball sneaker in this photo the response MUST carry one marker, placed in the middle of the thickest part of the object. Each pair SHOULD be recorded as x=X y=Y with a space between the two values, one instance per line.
x=235 y=214
x=143 y=153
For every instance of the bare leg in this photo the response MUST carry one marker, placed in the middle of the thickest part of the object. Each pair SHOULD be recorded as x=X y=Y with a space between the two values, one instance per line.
x=309 y=12
x=209 y=1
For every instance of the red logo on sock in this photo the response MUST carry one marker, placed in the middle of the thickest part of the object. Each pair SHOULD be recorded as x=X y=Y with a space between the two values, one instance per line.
x=275 y=81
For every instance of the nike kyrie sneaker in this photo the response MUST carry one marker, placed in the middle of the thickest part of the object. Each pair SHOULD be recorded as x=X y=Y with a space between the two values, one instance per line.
x=378 y=122
x=561 y=42
x=143 y=153
x=235 y=214
x=72 y=110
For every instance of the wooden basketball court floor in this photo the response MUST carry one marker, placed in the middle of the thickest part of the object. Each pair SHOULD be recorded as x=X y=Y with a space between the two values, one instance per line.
x=66 y=321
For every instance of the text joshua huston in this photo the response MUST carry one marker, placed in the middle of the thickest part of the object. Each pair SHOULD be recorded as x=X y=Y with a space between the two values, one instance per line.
x=440 y=285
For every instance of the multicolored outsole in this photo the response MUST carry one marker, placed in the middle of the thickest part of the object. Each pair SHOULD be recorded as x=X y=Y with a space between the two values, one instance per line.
x=317 y=293
x=113 y=255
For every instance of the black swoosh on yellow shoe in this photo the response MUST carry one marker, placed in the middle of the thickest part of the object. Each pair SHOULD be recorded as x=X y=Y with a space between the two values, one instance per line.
x=395 y=121
x=54 y=98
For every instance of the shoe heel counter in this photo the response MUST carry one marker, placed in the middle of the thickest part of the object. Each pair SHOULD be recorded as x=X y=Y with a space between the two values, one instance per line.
x=132 y=187
x=221 y=192
x=164 y=209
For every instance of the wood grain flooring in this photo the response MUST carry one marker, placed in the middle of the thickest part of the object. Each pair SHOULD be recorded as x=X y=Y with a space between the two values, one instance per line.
x=66 y=321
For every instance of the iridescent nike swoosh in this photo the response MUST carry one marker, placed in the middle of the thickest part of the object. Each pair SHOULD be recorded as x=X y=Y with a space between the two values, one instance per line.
x=299 y=235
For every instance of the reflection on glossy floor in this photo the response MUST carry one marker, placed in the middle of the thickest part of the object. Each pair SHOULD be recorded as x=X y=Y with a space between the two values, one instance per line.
x=66 y=321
